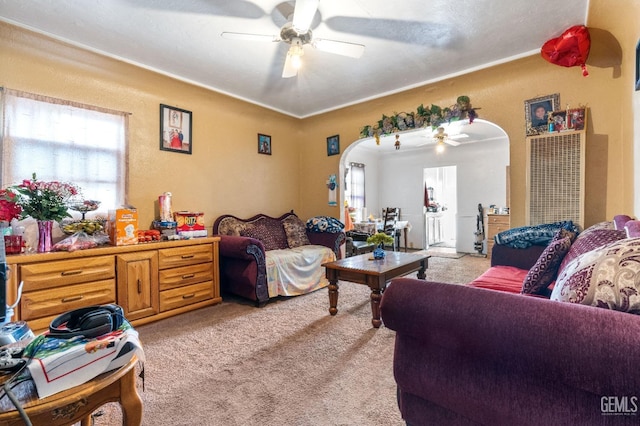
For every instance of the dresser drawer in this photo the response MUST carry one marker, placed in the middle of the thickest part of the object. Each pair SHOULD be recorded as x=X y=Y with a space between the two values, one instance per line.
x=186 y=275
x=39 y=276
x=184 y=256
x=498 y=219
x=183 y=296
x=45 y=303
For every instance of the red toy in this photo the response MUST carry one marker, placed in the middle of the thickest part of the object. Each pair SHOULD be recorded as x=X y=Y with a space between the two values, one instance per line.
x=570 y=49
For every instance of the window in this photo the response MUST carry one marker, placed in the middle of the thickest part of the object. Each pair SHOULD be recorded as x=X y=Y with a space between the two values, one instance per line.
x=356 y=186
x=65 y=141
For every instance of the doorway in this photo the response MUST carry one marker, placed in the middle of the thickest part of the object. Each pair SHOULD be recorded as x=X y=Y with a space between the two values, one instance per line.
x=441 y=206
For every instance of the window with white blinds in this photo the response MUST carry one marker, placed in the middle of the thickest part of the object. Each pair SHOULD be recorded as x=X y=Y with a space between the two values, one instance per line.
x=65 y=141
x=356 y=186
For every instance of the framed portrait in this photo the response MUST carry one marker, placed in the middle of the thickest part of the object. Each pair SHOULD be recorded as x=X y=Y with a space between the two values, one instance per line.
x=333 y=145
x=576 y=118
x=175 y=129
x=638 y=65
x=537 y=112
x=264 y=144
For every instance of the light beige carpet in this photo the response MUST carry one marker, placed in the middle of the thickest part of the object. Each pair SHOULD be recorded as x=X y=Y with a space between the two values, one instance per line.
x=289 y=363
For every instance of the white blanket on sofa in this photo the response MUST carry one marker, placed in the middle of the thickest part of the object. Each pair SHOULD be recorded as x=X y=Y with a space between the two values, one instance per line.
x=296 y=271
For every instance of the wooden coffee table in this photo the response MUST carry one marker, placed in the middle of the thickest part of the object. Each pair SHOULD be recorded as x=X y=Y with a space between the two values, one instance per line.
x=376 y=274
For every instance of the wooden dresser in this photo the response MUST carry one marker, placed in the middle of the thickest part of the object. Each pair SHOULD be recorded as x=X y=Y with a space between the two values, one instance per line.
x=496 y=223
x=150 y=281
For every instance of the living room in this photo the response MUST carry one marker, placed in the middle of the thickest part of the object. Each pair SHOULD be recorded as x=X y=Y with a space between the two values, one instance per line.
x=226 y=175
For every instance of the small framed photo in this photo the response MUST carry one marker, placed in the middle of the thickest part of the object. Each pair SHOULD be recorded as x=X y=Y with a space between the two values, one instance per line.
x=333 y=145
x=559 y=120
x=264 y=144
x=576 y=118
x=538 y=111
x=175 y=129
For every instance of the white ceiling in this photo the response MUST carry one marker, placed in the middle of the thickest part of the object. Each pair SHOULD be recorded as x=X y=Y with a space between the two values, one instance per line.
x=408 y=43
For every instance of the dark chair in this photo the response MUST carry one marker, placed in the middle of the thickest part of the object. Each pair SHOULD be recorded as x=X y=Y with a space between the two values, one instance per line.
x=357 y=243
x=391 y=216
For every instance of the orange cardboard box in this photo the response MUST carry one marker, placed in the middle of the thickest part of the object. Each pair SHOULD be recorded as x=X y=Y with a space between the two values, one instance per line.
x=123 y=226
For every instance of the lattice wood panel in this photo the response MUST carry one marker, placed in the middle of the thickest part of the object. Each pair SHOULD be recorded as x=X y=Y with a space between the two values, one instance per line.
x=555 y=177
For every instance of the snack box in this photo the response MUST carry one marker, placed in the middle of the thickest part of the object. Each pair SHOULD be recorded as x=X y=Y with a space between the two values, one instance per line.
x=123 y=226
x=190 y=224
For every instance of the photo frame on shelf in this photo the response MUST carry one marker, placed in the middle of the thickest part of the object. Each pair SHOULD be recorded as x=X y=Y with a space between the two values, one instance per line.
x=264 y=144
x=333 y=145
x=576 y=118
x=175 y=129
x=537 y=112
x=559 y=119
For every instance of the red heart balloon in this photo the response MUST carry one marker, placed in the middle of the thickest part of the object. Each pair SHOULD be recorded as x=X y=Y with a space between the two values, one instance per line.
x=570 y=49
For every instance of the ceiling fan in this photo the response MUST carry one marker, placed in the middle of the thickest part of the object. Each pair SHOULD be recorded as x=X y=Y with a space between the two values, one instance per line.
x=443 y=138
x=297 y=33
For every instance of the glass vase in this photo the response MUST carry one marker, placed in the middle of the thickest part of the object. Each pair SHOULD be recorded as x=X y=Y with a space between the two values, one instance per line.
x=45 y=228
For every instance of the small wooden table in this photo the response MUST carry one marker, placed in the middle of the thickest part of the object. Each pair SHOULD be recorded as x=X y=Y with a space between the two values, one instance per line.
x=76 y=404
x=374 y=273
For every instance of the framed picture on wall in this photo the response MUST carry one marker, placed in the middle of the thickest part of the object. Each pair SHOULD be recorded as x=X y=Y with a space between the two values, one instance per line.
x=264 y=144
x=175 y=129
x=333 y=145
x=538 y=110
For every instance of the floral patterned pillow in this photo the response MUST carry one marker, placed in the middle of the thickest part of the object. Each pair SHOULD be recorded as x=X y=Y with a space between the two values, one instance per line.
x=544 y=271
x=325 y=224
x=272 y=237
x=296 y=232
x=607 y=277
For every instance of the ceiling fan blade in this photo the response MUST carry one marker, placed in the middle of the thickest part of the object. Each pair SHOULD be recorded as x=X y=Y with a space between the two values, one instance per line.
x=344 y=48
x=249 y=37
x=289 y=69
x=451 y=142
x=303 y=15
x=459 y=136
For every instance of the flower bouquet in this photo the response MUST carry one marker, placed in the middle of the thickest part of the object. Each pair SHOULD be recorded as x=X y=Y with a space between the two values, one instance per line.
x=45 y=202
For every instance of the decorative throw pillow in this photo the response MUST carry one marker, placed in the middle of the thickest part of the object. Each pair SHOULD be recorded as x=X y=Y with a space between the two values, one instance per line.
x=325 y=224
x=545 y=269
x=589 y=240
x=607 y=277
x=296 y=232
x=270 y=237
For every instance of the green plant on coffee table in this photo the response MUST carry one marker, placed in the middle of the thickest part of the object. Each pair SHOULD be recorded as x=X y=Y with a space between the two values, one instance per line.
x=380 y=238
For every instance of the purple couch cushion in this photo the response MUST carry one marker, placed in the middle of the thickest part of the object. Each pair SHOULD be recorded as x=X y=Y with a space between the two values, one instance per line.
x=607 y=277
x=295 y=231
x=545 y=270
x=632 y=228
x=270 y=232
x=620 y=220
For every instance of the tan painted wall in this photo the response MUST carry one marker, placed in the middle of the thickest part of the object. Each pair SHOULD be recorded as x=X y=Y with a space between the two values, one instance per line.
x=500 y=92
x=226 y=175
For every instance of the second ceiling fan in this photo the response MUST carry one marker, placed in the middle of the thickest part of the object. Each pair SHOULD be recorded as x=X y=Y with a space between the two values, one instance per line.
x=297 y=33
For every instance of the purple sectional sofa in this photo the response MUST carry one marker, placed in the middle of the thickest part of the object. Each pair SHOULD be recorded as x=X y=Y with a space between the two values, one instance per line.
x=471 y=355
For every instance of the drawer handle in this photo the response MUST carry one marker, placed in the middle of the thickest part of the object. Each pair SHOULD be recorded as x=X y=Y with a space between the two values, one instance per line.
x=67 y=273
x=184 y=277
x=187 y=256
x=188 y=296
x=71 y=299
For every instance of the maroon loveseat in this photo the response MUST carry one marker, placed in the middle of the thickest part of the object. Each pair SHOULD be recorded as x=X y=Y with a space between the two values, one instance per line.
x=468 y=355
x=242 y=257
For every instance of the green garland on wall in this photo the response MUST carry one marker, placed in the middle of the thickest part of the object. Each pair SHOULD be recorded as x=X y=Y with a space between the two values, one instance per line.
x=432 y=116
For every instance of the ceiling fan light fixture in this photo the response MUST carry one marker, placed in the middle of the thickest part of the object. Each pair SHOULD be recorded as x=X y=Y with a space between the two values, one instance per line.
x=440 y=147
